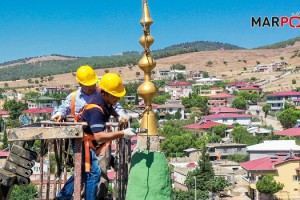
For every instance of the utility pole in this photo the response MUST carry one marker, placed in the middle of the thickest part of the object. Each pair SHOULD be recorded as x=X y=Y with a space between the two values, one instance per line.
x=195 y=188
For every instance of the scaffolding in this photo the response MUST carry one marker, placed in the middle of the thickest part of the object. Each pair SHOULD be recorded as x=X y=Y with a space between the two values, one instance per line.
x=55 y=138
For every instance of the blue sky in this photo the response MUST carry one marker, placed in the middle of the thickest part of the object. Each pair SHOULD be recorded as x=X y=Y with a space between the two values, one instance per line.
x=105 y=27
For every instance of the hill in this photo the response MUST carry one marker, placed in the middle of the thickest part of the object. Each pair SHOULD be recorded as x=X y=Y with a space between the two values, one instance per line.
x=234 y=64
x=51 y=65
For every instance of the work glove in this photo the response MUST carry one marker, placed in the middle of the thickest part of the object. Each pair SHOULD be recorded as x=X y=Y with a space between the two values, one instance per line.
x=129 y=133
x=56 y=117
x=123 y=119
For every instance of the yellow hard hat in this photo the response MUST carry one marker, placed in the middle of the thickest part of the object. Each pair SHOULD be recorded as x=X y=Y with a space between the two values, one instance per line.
x=86 y=75
x=112 y=83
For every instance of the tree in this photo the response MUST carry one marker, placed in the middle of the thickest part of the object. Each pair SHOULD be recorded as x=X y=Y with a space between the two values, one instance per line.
x=180 y=77
x=177 y=114
x=205 y=176
x=177 y=66
x=175 y=144
x=239 y=103
x=238 y=158
x=242 y=136
x=14 y=108
x=294 y=81
x=205 y=75
x=194 y=100
x=266 y=108
x=28 y=192
x=209 y=63
x=268 y=185
x=31 y=95
x=288 y=118
x=219 y=129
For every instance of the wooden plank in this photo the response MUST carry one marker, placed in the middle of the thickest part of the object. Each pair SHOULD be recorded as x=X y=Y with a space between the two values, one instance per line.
x=38 y=133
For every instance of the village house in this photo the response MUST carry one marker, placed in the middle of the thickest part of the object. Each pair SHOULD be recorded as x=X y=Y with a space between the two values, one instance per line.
x=38 y=114
x=207 y=81
x=200 y=128
x=178 y=89
x=168 y=74
x=223 y=109
x=42 y=102
x=194 y=75
x=171 y=107
x=251 y=88
x=13 y=95
x=210 y=92
x=267 y=68
x=272 y=147
x=284 y=167
x=221 y=99
x=4 y=115
x=229 y=118
x=277 y=99
x=53 y=90
x=235 y=86
x=219 y=151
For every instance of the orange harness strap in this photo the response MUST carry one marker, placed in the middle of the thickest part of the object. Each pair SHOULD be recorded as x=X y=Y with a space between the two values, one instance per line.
x=88 y=143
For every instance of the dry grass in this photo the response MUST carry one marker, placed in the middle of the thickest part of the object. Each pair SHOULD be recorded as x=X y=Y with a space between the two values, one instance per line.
x=227 y=64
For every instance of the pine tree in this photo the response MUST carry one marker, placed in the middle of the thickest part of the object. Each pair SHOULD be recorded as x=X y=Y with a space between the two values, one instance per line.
x=204 y=173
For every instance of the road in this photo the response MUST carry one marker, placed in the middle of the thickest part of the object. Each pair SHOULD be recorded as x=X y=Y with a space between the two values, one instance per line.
x=269 y=120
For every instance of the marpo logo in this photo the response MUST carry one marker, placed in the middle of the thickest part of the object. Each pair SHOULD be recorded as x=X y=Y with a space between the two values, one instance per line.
x=275 y=21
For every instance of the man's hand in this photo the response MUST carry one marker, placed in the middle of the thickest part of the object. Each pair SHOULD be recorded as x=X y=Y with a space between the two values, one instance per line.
x=129 y=133
x=56 y=117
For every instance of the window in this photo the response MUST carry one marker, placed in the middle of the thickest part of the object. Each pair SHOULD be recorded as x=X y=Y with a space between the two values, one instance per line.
x=234 y=119
x=224 y=120
x=296 y=178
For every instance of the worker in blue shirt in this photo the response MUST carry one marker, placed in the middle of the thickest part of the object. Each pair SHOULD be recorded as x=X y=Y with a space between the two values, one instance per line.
x=96 y=114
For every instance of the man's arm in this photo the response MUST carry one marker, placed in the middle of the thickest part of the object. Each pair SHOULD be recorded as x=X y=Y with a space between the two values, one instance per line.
x=108 y=136
x=63 y=109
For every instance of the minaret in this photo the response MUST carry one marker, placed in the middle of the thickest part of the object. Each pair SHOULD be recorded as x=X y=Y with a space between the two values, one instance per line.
x=149 y=175
x=147 y=90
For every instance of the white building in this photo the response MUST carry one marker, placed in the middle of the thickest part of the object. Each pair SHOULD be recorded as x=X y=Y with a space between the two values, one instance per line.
x=208 y=81
x=178 y=89
x=168 y=74
x=272 y=147
x=229 y=118
x=170 y=108
x=277 y=99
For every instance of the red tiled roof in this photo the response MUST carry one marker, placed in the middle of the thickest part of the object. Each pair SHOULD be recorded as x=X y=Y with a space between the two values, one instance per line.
x=39 y=110
x=289 y=132
x=204 y=125
x=250 y=87
x=284 y=93
x=226 y=115
x=179 y=83
x=237 y=83
x=4 y=153
x=3 y=112
x=191 y=164
x=221 y=95
x=223 y=109
x=267 y=163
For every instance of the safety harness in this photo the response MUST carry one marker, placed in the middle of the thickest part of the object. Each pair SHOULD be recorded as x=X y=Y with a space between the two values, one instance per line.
x=88 y=139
